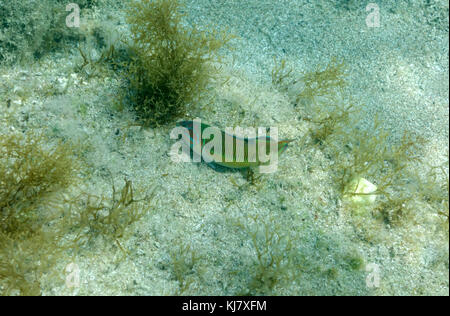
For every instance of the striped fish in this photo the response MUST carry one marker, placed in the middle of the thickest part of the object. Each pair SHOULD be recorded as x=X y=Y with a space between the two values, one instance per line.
x=238 y=158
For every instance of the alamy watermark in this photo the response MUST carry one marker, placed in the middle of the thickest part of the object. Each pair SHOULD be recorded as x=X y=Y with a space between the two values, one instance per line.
x=373 y=18
x=373 y=275
x=236 y=147
x=73 y=275
x=73 y=19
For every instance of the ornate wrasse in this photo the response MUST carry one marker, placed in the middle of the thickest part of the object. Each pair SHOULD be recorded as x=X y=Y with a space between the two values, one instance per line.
x=237 y=157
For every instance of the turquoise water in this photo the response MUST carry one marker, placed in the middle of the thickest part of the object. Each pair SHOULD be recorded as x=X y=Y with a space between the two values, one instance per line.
x=353 y=207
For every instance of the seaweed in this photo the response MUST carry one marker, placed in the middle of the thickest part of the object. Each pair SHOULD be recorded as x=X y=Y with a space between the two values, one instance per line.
x=30 y=29
x=353 y=261
x=184 y=260
x=103 y=53
x=329 y=119
x=322 y=82
x=319 y=96
x=274 y=262
x=41 y=221
x=367 y=154
x=92 y=67
x=360 y=154
x=26 y=258
x=308 y=86
x=356 y=153
x=31 y=172
x=171 y=65
x=108 y=217
x=280 y=74
x=434 y=189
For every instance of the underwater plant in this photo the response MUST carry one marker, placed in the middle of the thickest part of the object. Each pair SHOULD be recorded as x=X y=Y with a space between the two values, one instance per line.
x=25 y=258
x=274 y=261
x=29 y=29
x=434 y=189
x=171 y=64
x=318 y=96
x=323 y=82
x=370 y=171
x=280 y=74
x=107 y=217
x=328 y=118
x=368 y=157
x=41 y=221
x=184 y=260
x=91 y=66
x=308 y=86
x=31 y=172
